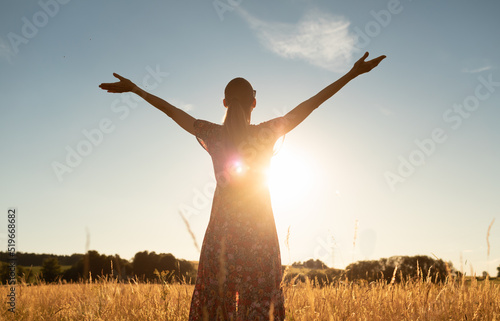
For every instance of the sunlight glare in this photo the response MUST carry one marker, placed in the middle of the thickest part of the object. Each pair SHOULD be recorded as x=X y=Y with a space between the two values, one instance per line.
x=291 y=178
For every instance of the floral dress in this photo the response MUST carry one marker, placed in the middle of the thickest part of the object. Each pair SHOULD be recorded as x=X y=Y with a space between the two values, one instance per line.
x=239 y=272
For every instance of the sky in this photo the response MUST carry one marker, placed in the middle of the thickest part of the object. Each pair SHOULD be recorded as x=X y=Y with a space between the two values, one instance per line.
x=402 y=161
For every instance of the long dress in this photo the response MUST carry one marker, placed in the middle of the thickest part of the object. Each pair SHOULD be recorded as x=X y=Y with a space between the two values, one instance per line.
x=239 y=272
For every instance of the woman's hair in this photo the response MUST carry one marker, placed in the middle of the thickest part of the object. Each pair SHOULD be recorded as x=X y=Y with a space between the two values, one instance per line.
x=239 y=96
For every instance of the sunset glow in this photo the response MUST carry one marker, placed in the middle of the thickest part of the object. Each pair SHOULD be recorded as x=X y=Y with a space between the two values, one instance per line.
x=409 y=150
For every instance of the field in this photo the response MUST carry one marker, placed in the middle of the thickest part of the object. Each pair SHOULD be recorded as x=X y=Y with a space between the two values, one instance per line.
x=465 y=299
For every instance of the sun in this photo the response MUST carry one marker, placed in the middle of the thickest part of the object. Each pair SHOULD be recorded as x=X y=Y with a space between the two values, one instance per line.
x=290 y=178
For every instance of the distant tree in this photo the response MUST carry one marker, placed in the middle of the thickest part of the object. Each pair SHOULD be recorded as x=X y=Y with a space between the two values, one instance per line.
x=333 y=274
x=419 y=266
x=5 y=273
x=122 y=268
x=318 y=278
x=21 y=273
x=95 y=265
x=75 y=272
x=146 y=263
x=69 y=259
x=98 y=265
x=310 y=264
x=51 y=269
x=166 y=262
x=367 y=270
x=314 y=264
x=323 y=277
x=498 y=269
x=5 y=270
x=32 y=259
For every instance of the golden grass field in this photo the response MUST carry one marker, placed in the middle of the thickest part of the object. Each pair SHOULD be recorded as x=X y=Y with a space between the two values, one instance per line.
x=412 y=300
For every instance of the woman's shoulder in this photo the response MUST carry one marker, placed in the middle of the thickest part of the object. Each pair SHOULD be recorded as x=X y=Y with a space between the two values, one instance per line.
x=207 y=133
x=205 y=123
x=206 y=130
x=275 y=125
x=201 y=125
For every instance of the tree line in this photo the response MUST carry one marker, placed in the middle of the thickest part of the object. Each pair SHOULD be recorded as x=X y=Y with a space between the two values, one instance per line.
x=393 y=269
x=400 y=268
x=33 y=259
x=145 y=266
x=148 y=267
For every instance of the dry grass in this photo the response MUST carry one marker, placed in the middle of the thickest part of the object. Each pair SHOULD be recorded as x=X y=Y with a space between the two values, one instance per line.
x=409 y=301
x=104 y=300
x=108 y=300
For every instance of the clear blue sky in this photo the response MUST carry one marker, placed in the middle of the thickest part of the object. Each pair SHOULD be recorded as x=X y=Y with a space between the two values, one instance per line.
x=403 y=161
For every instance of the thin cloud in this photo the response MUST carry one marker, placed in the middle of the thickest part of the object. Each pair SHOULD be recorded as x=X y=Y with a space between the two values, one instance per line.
x=476 y=70
x=319 y=38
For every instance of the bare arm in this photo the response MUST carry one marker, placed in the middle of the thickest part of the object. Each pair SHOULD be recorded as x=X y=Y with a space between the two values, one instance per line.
x=304 y=109
x=182 y=118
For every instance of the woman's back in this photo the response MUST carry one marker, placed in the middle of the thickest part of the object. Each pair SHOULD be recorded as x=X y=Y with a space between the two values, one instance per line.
x=245 y=165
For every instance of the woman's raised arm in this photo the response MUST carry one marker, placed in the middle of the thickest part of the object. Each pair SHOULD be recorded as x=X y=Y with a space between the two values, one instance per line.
x=299 y=113
x=182 y=118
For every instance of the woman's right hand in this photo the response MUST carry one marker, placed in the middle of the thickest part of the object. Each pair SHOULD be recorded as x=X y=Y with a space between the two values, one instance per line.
x=361 y=66
x=122 y=86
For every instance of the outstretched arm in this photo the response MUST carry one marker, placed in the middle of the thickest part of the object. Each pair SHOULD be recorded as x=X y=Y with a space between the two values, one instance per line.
x=299 y=113
x=182 y=118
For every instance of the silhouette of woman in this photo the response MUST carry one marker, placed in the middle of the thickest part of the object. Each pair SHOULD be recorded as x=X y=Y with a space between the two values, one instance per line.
x=239 y=272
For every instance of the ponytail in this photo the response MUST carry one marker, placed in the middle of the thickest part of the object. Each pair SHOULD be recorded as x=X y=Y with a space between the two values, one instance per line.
x=236 y=121
x=239 y=96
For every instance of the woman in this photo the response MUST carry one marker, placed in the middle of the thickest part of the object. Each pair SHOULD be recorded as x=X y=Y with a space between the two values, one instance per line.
x=239 y=272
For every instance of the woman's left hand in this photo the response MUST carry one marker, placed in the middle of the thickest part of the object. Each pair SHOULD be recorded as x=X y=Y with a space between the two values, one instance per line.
x=122 y=86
